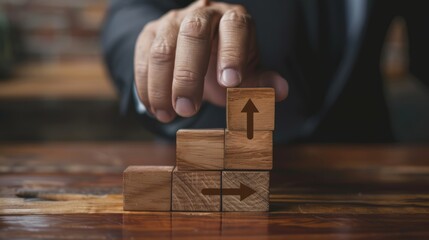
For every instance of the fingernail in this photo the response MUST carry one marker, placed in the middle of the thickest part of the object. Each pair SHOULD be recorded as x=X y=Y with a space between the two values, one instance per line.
x=185 y=107
x=163 y=116
x=230 y=78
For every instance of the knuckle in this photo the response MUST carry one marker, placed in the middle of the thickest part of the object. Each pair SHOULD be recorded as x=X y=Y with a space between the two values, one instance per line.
x=150 y=26
x=157 y=97
x=172 y=14
x=186 y=78
x=141 y=39
x=236 y=17
x=196 y=25
x=230 y=54
x=240 y=9
x=140 y=68
x=162 y=52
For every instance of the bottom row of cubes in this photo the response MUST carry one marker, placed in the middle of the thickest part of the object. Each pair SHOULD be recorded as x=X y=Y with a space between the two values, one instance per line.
x=162 y=188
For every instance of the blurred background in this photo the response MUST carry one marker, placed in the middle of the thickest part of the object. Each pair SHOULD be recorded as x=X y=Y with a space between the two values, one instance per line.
x=53 y=86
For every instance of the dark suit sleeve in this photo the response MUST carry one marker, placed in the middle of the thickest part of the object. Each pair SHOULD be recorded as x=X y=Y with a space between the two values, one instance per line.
x=124 y=21
x=417 y=21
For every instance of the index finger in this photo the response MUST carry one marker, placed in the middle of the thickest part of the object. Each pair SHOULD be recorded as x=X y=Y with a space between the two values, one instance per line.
x=234 y=34
x=192 y=58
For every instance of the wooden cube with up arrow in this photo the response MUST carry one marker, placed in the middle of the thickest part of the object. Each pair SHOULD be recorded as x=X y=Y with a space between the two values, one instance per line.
x=250 y=109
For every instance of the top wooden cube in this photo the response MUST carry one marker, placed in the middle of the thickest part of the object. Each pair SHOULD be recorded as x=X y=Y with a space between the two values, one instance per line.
x=263 y=114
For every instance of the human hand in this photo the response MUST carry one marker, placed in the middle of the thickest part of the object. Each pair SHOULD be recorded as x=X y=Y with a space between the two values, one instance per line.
x=193 y=54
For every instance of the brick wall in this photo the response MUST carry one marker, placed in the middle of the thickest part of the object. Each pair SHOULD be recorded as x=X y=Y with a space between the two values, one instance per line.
x=57 y=29
x=64 y=29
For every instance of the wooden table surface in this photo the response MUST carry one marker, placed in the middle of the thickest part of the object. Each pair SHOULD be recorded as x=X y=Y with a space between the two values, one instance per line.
x=73 y=190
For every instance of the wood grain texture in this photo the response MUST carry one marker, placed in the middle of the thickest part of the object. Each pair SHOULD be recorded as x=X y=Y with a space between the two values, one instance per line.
x=187 y=187
x=259 y=181
x=232 y=226
x=264 y=101
x=317 y=192
x=147 y=188
x=249 y=154
x=200 y=149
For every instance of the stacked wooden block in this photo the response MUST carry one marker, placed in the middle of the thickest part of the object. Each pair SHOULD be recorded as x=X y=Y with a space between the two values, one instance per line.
x=216 y=169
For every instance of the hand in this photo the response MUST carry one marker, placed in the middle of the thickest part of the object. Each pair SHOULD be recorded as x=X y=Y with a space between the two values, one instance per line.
x=193 y=54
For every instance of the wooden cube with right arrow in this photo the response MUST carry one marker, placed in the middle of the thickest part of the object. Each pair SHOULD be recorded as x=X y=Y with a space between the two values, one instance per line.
x=245 y=191
x=188 y=192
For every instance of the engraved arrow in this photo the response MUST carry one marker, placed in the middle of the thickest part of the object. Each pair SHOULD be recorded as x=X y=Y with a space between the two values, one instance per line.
x=250 y=109
x=244 y=191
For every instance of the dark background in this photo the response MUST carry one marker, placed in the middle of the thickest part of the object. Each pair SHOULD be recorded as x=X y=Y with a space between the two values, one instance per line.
x=54 y=86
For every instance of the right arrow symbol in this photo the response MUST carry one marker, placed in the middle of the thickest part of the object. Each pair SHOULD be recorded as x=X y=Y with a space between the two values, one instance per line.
x=249 y=108
x=244 y=191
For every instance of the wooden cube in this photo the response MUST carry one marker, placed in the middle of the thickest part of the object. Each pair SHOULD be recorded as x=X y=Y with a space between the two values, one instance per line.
x=200 y=149
x=249 y=154
x=147 y=188
x=253 y=191
x=188 y=191
x=262 y=98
